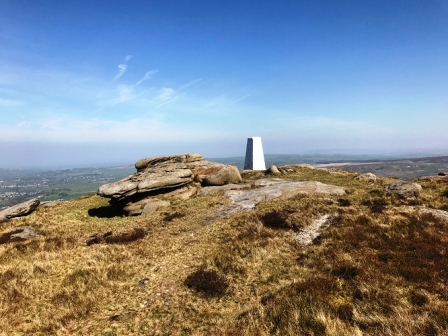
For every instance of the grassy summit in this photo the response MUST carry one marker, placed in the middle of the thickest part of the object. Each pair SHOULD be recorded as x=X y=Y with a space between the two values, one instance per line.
x=379 y=268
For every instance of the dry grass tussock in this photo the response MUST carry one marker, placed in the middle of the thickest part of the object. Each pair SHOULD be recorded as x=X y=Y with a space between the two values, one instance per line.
x=378 y=269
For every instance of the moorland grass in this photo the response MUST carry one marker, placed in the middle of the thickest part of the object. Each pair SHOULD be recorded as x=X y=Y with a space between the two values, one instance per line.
x=380 y=268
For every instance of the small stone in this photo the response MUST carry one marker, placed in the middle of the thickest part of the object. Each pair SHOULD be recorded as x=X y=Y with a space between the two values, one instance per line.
x=143 y=281
x=367 y=177
x=92 y=240
x=273 y=170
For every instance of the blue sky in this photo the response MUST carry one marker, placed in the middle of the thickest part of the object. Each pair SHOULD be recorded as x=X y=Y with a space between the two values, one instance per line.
x=114 y=81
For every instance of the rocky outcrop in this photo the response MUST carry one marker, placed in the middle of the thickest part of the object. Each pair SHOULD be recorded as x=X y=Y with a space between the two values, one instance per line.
x=163 y=178
x=19 y=210
x=404 y=189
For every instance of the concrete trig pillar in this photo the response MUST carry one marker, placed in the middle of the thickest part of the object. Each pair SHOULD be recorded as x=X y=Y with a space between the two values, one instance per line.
x=254 y=155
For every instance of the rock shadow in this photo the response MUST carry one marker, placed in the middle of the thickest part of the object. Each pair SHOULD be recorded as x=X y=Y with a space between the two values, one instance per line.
x=108 y=211
x=119 y=238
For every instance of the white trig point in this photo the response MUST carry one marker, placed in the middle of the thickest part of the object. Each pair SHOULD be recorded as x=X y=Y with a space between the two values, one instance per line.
x=254 y=155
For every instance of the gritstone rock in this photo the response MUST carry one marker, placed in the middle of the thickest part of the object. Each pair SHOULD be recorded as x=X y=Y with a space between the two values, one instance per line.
x=19 y=233
x=266 y=189
x=162 y=178
x=367 y=177
x=18 y=210
x=404 y=189
x=225 y=175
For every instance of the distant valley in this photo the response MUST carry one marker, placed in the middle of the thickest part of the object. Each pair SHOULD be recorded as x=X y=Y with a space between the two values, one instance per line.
x=20 y=185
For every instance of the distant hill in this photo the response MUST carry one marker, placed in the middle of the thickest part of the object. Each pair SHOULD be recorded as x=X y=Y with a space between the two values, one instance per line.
x=400 y=168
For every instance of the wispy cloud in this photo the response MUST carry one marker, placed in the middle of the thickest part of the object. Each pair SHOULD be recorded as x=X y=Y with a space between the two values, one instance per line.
x=190 y=83
x=136 y=130
x=147 y=76
x=120 y=94
x=121 y=70
x=165 y=94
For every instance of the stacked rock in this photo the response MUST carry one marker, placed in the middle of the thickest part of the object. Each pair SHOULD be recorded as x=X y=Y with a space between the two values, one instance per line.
x=163 y=178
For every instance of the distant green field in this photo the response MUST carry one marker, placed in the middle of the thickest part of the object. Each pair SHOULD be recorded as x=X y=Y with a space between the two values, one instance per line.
x=20 y=185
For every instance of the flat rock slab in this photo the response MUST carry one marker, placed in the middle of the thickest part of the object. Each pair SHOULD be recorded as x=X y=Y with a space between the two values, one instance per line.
x=285 y=190
x=437 y=213
x=215 y=189
x=266 y=189
x=19 y=210
x=307 y=235
x=442 y=214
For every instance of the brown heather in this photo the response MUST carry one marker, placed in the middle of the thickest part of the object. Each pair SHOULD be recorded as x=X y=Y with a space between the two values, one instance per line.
x=380 y=268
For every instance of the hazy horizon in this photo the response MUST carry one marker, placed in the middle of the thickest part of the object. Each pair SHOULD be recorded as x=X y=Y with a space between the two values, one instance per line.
x=301 y=157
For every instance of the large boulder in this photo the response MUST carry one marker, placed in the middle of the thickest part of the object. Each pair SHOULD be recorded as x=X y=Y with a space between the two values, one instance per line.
x=19 y=210
x=225 y=175
x=404 y=189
